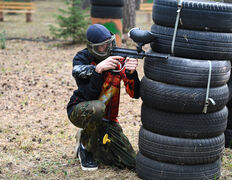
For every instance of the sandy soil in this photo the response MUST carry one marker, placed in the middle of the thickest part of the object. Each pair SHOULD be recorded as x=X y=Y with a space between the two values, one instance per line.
x=36 y=138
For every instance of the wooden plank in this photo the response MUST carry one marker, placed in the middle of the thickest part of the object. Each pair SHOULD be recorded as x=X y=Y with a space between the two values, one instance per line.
x=17 y=3
x=146 y=10
x=15 y=7
x=146 y=7
x=2 y=6
x=149 y=11
x=17 y=11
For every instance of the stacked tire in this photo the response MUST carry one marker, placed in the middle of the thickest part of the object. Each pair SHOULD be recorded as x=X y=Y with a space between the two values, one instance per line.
x=177 y=140
x=108 y=13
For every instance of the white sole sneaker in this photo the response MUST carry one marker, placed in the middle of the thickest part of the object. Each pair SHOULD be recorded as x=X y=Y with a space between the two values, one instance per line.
x=85 y=168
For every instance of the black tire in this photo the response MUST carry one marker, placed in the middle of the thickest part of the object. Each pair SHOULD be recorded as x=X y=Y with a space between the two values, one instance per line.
x=184 y=125
x=195 y=15
x=107 y=2
x=106 y=12
x=193 y=44
x=149 y=169
x=180 y=150
x=228 y=138
x=187 y=72
x=181 y=99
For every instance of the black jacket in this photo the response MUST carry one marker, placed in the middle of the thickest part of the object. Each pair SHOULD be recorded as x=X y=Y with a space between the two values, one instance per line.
x=90 y=82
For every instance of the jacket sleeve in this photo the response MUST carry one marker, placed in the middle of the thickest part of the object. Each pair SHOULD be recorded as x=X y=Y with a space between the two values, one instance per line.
x=81 y=66
x=82 y=71
x=89 y=82
x=132 y=84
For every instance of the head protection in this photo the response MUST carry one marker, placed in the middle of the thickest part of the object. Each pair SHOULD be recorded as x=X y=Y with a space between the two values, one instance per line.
x=100 y=40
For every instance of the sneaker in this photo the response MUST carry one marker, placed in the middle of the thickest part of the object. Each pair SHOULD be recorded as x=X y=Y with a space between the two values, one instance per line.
x=86 y=159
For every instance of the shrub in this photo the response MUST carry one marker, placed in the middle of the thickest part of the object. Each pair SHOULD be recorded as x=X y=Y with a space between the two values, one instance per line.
x=72 y=22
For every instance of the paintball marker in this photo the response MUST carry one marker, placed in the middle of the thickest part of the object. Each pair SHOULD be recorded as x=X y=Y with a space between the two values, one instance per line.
x=141 y=37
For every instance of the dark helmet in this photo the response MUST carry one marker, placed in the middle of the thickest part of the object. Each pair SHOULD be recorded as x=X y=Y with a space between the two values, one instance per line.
x=98 y=35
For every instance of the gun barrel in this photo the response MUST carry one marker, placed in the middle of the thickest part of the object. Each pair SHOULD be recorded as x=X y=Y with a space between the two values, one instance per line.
x=156 y=55
x=125 y=52
x=115 y=51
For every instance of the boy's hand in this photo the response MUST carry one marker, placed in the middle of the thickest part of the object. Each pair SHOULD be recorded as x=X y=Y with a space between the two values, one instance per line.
x=131 y=64
x=107 y=64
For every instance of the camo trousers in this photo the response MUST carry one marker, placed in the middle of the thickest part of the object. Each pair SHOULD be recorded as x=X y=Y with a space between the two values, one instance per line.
x=89 y=116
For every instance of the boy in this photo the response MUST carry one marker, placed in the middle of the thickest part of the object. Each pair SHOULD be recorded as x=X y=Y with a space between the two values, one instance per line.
x=93 y=107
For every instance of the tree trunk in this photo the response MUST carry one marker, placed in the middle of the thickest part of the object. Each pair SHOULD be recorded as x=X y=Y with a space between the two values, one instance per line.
x=85 y=4
x=137 y=4
x=128 y=15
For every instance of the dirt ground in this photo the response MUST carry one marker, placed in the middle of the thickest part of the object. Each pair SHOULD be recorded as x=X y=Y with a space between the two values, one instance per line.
x=36 y=138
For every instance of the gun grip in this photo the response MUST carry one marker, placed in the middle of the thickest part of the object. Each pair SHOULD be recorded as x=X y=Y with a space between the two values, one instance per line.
x=106 y=139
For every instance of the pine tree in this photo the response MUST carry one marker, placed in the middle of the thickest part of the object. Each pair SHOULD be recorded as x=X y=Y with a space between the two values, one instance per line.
x=72 y=22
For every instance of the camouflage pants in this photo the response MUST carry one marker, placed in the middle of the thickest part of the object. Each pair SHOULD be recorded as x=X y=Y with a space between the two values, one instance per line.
x=89 y=116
